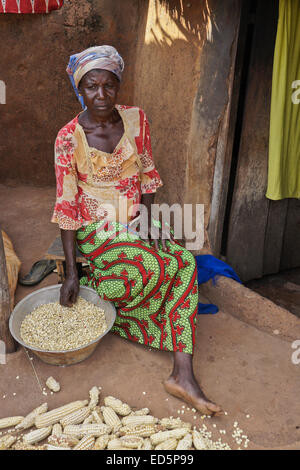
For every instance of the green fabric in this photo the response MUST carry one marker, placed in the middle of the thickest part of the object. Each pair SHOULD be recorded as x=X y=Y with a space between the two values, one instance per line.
x=284 y=144
x=156 y=293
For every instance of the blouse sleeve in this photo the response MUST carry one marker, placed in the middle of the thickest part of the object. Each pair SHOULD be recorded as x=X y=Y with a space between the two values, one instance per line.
x=66 y=211
x=150 y=179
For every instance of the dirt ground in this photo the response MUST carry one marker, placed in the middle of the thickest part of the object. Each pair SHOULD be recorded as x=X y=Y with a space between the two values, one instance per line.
x=246 y=370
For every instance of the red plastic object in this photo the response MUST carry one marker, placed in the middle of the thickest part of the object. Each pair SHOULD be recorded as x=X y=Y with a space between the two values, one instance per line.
x=29 y=6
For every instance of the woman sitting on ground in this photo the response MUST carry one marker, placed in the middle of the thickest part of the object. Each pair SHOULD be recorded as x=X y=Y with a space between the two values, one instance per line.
x=103 y=159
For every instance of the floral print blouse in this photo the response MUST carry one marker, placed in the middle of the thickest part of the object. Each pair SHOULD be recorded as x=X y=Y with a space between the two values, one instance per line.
x=91 y=184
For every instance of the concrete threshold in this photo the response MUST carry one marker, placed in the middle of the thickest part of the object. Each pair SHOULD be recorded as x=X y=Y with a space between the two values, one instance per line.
x=252 y=308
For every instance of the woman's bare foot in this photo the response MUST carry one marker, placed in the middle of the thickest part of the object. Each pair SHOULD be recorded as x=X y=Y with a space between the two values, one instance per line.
x=188 y=390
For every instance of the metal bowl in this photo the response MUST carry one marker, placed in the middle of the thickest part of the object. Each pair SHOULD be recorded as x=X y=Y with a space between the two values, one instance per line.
x=46 y=296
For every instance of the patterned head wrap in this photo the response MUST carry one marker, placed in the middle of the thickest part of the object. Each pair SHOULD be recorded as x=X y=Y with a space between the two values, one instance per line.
x=99 y=57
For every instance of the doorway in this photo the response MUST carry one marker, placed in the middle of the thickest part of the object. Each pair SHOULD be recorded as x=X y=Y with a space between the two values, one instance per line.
x=259 y=236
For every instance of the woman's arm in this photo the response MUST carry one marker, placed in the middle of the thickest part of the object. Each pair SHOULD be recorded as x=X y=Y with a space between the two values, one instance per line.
x=70 y=288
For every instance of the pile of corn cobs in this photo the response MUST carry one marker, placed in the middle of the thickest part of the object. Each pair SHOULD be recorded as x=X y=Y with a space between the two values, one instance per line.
x=84 y=425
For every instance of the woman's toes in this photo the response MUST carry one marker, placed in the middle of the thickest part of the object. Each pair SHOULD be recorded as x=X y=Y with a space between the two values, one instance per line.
x=215 y=409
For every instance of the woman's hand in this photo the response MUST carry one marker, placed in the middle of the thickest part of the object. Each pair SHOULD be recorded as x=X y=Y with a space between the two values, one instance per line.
x=69 y=291
x=70 y=288
x=152 y=234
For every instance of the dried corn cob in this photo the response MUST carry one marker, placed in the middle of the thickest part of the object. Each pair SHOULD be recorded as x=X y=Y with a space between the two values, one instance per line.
x=29 y=420
x=138 y=420
x=95 y=429
x=116 y=444
x=79 y=430
x=86 y=443
x=11 y=421
x=96 y=417
x=185 y=443
x=132 y=442
x=76 y=417
x=117 y=405
x=63 y=441
x=147 y=444
x=54 y=416
x=7 y=441
x=198 y=441
x=37 y=435
x=142 y=430
x=74 y=430
x=89 y=419
x=101 y=442
x=173 y=423
x=94 y=397
x=111 y=418
x=162 y=436
x=141 y=412
x=52 y=384
x=57 y=430
x=169 y=444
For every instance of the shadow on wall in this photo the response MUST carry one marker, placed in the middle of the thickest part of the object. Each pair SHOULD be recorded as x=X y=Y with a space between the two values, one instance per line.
x=190 y=25
x=172 y=36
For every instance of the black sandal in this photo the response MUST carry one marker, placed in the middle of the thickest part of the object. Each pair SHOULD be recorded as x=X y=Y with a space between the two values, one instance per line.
x=38 y=272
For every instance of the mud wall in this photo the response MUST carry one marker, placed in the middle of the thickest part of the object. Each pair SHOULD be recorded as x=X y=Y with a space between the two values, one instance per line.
x=168 y=71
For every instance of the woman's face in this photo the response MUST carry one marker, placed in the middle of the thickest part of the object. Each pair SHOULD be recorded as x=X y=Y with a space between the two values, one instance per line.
x=99 y=89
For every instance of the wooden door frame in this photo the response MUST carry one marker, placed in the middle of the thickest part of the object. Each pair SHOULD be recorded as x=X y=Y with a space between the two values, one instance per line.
x=247 y=210
x=226 y=138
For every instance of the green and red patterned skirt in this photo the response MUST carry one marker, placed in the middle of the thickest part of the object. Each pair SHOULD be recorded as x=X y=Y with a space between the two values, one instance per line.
x=155 y=293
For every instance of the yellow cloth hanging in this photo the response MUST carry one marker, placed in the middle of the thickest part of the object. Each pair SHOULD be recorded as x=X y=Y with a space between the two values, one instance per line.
x=284 y=144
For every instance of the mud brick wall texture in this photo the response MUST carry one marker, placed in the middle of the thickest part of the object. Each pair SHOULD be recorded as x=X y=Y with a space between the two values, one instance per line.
x=39 y=97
